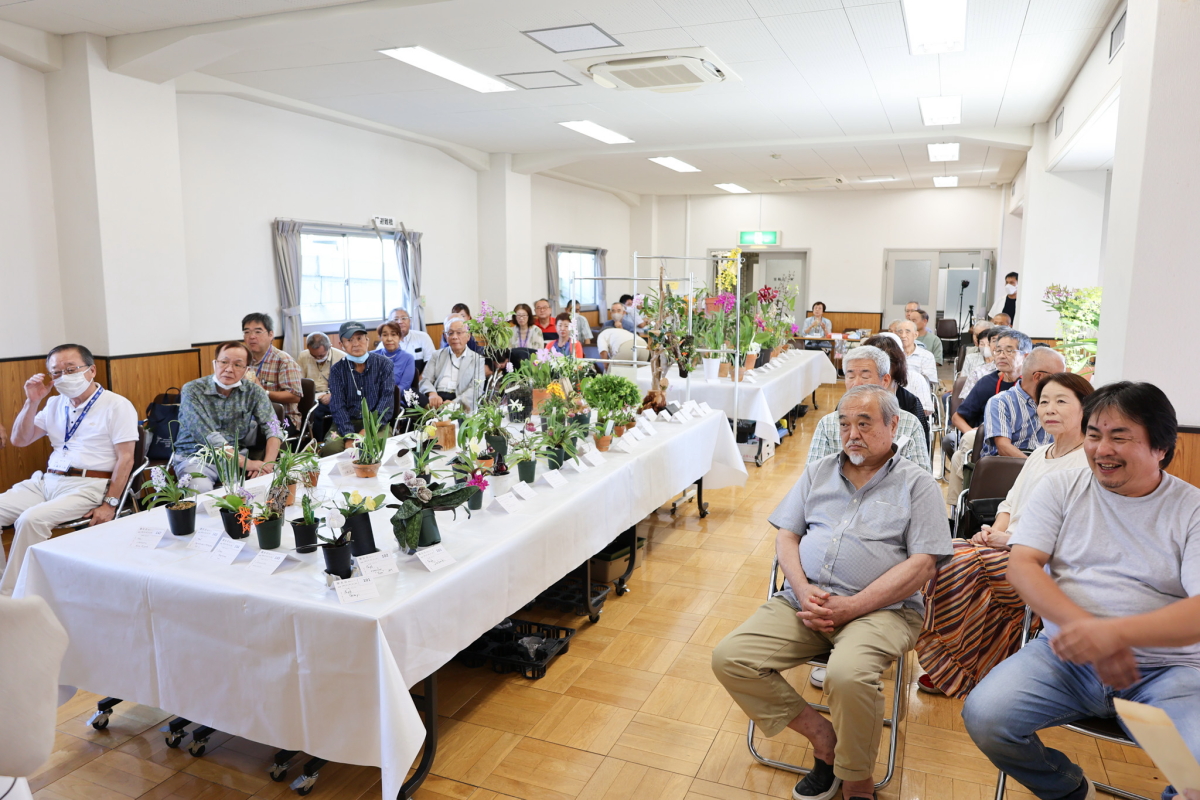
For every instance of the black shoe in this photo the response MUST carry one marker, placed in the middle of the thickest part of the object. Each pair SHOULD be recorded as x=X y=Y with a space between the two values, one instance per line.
x=820 y=784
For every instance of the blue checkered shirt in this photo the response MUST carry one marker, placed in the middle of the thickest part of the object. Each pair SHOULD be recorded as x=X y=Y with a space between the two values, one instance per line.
x=1013 y=415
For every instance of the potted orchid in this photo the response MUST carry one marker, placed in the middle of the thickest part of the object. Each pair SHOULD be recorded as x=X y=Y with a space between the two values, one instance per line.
x=491 y=328
x=174 y=493
x=414 y=523
x=304 y=529
x=308 y=465
x=268 y=522
x=235 y=508
x=355 y=509
x=524 y=451
x=371 y=444
x=336 y=548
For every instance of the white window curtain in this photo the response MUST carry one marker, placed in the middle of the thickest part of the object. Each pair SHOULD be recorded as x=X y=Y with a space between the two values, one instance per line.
x=286 y=234
x=408 y=256
x=552 y=288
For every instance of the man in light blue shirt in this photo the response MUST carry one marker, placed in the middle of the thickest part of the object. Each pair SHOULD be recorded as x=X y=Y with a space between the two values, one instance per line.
x=1010 y=420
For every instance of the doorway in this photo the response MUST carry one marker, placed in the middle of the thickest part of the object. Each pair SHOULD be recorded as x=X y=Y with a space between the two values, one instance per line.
x=950 y=284
x=778 y=269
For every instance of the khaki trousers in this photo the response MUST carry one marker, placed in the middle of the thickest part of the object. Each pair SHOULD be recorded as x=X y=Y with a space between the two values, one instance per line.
x=35 y=506
x=748 y=662
x=954 y=480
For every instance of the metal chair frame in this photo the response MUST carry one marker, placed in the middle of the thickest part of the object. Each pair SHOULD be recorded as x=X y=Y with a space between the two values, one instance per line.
x=901 y=689
x=1082 y=726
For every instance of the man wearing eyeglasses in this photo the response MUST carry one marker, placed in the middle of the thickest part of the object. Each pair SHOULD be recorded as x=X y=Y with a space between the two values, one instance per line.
x=455 y=373
x=92 y=433
x=220 y=410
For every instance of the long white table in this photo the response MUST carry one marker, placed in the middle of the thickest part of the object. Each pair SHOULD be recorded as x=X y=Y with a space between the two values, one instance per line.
x=773 y=393
x=276 y=659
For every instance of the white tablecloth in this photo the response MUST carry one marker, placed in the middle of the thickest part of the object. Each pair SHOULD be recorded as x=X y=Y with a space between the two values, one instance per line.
x=276 y=658
x=767 y=399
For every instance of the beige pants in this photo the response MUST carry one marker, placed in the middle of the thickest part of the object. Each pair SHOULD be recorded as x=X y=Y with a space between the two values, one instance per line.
x=748 y=662
x=954 y=481
x=35 y=506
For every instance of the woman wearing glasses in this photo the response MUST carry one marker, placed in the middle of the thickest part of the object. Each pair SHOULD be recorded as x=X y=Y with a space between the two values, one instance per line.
x=222 y=409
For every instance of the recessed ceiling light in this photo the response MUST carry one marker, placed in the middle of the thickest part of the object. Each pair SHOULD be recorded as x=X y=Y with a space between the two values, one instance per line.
x=539 y=80
x=945 y=181
x=732 y=188
x=674 y=163
x=588 y=128
x=443 y=67
x=935 y=26
x=945 y=151
x=572 y=38
x=875 y=178
x=941 y=110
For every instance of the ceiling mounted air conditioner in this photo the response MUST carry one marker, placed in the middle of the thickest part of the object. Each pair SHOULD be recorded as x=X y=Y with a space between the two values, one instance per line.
x=811 y=183
x=658 y=71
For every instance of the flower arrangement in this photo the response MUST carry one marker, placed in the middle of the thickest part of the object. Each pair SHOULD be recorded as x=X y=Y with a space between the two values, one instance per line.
x=727 y=275
x=169 y=490
x=416 y=496
x=1078 y=319
x=491 y=327
x=767 y=295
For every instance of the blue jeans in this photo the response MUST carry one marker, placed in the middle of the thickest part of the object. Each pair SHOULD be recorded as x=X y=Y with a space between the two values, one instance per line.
x=1035 y=689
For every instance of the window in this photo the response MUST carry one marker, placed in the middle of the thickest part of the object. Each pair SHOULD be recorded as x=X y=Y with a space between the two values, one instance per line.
x=581 y=263
x=1116 y=38
x=347 y=273
x=1058 y=123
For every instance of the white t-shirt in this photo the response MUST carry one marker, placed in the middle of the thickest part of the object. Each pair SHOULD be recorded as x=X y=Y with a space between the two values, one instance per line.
x=418 y=345
x=1036 y=467
x=1117 y=556
x=111 y=420
x=612 y=338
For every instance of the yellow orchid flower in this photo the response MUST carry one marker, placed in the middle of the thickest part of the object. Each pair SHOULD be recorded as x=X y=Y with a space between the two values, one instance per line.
x=430 y=431
x=355 y=497
x=369 y=504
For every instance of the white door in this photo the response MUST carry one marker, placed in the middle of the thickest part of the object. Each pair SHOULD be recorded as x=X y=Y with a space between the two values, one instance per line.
x=781 y=270
x=910 y=275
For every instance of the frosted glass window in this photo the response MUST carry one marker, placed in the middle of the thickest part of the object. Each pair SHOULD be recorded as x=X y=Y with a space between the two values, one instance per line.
x=911 y=281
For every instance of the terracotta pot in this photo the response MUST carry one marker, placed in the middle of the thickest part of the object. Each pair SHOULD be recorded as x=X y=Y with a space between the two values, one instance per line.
x=726 y=370
x=486 y=463
x=310 y=479
x=618 y=431
x=741 y=374
x=365 y=470
x=291 y=495
x=750 y=362
x=446 y=437
x=540 y=396
x=603 y=443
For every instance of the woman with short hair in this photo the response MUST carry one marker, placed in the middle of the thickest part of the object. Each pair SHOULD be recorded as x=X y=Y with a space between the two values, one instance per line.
x=525 y=333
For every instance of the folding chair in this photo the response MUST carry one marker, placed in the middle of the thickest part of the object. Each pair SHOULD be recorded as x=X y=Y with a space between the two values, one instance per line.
x=950 y=401
x=899 y=692
x=992 y=478
x=1107 y=730
x=947 y=331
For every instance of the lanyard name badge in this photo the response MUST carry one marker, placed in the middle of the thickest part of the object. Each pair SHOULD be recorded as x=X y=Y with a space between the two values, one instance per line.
x=60 y=459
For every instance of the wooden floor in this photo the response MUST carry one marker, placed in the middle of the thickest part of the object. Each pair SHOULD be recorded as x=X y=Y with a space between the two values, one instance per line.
x=632 y=711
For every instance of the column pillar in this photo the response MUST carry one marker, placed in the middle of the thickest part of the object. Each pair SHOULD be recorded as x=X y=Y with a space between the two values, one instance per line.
x=506 y=276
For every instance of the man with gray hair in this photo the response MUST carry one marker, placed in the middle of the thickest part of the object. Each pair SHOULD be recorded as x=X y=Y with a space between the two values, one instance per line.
x=859 y=534
x=315 y=361
x=870 y=366
x=454 y=373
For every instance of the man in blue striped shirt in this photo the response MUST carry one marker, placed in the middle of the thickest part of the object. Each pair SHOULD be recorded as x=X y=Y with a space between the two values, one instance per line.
x=360 y=375
x=1010 y=419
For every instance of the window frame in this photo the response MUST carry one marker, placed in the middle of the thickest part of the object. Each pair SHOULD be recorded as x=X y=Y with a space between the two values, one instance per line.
x=359 y=231
x=594 y=252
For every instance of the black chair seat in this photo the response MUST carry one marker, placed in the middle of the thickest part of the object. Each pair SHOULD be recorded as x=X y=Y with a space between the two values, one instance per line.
x=1104 y=728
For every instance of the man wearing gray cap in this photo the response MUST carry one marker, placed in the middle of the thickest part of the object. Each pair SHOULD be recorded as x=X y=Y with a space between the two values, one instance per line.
x=361 y=375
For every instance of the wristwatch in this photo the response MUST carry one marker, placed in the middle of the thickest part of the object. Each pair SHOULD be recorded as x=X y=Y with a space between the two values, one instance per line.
x=112 y=501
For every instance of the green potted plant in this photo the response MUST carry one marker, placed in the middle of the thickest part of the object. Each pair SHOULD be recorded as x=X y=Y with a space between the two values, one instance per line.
x=414 y=523
x=624 y=419
x=561 y=437
x=235 y=512
x=175 y=494
x=304 y=529
x=371 y=443
x=308 y=465
x=285 y=478
x=356 y=510
x=486 y=423
x=268 y=524
x=609 y=394
x=336 y=548
x=525 y=451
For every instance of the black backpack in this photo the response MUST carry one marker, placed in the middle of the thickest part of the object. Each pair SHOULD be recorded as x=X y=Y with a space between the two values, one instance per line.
x=162 y=421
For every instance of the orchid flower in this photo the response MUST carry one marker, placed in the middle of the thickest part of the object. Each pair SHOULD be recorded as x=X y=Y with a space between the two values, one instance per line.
x=335 y=519
x=158 y=476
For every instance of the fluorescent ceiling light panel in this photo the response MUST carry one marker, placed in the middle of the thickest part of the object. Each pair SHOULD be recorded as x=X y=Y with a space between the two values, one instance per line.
x=539 y=80
x=935 y=26
x=674 y=163
x=875 y=178
x=443 y=67
x=732 y=188
x=589 y=128
x=941 y=110
x=572 y=38
x=945 y=181
x=945 y=151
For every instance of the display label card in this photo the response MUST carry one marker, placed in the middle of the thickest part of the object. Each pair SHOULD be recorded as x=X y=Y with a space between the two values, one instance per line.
x=685 y=413
x=649 y=414
x=579 y=466
x=672 y=408
x=209 y=504
x=636 y=433
x=205 y=541
x=146 y=539
x=345 y=468
x=376 y=565
x=706 y=408
x=436 y=557
x=692 y=406
x=267 y=561
x=523 y=490
x=354 y=590
x=623 y=445
x=227 y=551
x=507 y=502
x=748 y=378
x=555 y=479
x=608 y=429
x=595 y=458
x=664 y=415
x=679 y=419
x=649 y=429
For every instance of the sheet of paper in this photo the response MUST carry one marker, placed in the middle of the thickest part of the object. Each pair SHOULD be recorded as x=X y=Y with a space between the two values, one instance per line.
x=205 y=540
x=345 y=468
x=649 y=429
x=636 y=433
x=1157 y=735
x=506 y=502
x=595 y=458
x=436 y=557
x=227 y=550
x=664 y=415
x=648 y=414
x=146 y=539
x=623 y=445
x=579 y=466
x=524 y=490
x=555 y=479
x=267 y=561
x=376 y=565
x=678 y=419
x=354 y=590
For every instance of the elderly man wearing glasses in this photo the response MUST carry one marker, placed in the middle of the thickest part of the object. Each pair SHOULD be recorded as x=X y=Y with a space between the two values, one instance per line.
x=454 y=373
x=221 y=409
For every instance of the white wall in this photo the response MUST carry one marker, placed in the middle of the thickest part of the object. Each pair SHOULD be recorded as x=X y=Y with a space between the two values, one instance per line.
x=245 y=164
x=845 y=232
x=564 y=213
x=1095 y=80
x=31 y=319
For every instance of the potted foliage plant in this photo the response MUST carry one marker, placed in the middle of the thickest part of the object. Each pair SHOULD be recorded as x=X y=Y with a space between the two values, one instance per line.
x=561 y=438
x=304 y=529
x=336 y=548
x=175 y=494
x=609 y=394
x=285 y=478
x=371 y=444
x=268 y=523
x=487 y=423
x=356 y=510
x=525 y=451
x=414 y=523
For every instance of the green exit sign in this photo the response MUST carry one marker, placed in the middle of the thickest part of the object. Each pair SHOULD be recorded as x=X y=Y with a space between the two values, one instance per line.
x=759 y=237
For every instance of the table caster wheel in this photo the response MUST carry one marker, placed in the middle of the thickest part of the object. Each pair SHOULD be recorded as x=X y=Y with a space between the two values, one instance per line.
x=621 y=589
x=99 y=720
x=304 y=791
x=304 y=784
x=279 y=773
x=593 y=618
x=173 y=740
x=197 y=749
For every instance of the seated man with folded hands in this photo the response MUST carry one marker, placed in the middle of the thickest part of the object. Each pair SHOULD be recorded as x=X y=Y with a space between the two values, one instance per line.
x=859 y=534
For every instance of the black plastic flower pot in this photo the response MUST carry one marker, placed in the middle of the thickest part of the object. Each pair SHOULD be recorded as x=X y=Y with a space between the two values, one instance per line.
x=270 y=533
x=337 y=559
x=306 y=536
x=232 y=525
x=498 y=444
x=182 y=521
x=475 y=501
x=430 y=534
x=362 y=540
x=527 y=471
x=557 y=457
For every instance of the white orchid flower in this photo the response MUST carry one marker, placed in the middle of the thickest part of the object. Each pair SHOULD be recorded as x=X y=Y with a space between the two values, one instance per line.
x=335 y=519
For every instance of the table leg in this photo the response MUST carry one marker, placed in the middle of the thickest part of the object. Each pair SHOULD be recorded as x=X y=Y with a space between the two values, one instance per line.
x=701 y=506
x=631 y=541
x=814 y=399
x=427 y=704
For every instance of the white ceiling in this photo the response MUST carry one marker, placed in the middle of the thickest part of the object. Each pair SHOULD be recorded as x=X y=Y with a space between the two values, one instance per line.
x=821 y=81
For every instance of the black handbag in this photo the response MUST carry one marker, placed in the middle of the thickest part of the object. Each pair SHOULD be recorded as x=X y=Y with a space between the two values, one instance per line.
x=162 y=421
x=979 y=512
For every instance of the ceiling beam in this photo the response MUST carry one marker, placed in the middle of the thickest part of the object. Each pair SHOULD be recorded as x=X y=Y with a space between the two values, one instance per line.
x=29 y=46
x=628 y=198
x=162 y=55
x=1009 y=138
x=199 y=83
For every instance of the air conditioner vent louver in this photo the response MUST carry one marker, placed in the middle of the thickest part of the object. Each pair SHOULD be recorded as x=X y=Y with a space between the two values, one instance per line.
x=658 y=71
x=811 y=183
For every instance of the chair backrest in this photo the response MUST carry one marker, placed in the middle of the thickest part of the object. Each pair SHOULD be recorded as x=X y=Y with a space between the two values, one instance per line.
x=955 y=400
x=994 y=476
x=308 y=396
x=947 y=329
x=960 y=359
x=977 y=450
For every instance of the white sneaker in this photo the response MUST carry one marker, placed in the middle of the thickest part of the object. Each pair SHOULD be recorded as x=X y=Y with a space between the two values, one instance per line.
x=817 y=679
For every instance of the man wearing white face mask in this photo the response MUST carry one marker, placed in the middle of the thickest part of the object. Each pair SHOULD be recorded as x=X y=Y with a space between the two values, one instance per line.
x=92 y=432
x=315 y=362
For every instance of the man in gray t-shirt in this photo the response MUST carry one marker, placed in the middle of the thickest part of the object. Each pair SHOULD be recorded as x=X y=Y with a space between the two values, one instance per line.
x=1110 y=558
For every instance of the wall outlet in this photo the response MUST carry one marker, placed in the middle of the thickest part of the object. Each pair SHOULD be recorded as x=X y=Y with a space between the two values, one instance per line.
x=385 y=222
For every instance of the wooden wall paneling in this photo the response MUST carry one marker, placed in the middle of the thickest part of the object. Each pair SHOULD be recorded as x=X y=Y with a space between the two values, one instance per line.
x=434 y=329
x=1186 y=464
x=18 y=463
x=593 y=318
x=841 y=320
x=139 y=378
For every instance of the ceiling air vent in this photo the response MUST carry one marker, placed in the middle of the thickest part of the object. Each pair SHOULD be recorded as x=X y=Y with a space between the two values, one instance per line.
x=657 y=71
x=811 y=183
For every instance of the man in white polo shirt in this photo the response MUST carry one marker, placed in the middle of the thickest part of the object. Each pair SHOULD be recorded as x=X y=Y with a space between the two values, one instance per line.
x=92 y=432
